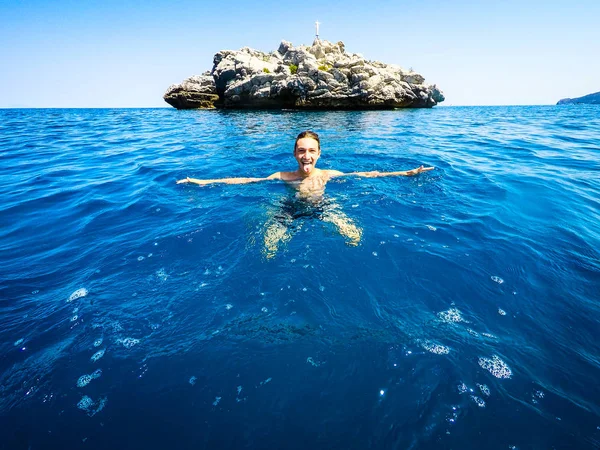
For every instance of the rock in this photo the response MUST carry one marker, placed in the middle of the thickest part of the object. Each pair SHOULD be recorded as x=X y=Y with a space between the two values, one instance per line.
x=195 y=92
x=590 y=99
x=321 y=76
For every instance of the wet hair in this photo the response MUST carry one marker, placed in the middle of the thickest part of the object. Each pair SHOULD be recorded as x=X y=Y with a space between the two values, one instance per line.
x=308 y=134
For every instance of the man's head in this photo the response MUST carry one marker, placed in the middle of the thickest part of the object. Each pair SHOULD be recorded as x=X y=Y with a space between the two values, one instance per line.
x=307 y=151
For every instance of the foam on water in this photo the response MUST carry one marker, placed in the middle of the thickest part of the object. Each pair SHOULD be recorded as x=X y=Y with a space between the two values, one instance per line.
x=91 y=407
x=128 y=342
x=84 y=380
x=453 y=315
x=99 y=354
x=485 y=390
x=79 y=293
x=437 y=349
x=478 y=401
x=496 y=366
x=497 y=279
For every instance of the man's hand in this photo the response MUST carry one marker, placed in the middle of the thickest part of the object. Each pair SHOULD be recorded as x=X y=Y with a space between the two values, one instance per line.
x=418 y=170
x=185 y=180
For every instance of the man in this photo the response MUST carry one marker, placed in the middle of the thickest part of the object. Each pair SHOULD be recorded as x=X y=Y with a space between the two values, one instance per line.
x=310 y=185
x=309 y=179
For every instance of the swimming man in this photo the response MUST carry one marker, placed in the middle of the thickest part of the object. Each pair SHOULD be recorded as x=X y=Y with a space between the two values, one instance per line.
x=310 y=185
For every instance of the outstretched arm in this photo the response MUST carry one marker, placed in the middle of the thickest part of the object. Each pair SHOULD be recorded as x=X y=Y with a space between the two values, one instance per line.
x=375 y=173
x=275 y=176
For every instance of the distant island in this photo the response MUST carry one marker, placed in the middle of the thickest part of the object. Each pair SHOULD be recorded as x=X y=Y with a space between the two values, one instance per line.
x=590 y=99
x=320 y=77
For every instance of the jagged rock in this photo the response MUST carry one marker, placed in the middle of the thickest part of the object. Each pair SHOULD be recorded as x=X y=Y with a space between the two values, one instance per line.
x=198 y=91
x=322 y=76
x=590 y=99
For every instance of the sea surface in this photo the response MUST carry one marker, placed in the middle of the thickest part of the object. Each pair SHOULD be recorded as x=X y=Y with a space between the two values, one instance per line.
x=138 y=313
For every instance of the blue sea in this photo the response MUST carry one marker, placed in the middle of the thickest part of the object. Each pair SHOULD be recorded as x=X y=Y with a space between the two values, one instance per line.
x=138 y=313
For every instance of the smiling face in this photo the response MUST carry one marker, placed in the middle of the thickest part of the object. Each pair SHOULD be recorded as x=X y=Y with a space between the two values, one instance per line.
x=307 y=153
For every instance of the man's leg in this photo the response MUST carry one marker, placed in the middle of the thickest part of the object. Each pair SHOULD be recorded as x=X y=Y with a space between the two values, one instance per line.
x=343 y=224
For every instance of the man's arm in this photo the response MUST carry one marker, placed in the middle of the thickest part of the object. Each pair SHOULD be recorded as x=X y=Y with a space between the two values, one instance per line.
x=275 y=176
x=375 y=173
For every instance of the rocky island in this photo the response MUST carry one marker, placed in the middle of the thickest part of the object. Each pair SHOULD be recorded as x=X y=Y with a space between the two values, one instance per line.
x=590 y=99
x=322 y=76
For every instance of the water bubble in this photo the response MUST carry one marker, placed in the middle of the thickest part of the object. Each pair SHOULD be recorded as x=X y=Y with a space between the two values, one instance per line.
x=35 y=292
x=140 y=258
x=462 y=388
x=496 y=367
x=192 y=380
x=149 y=255
x=74 y=318
x=97 y=342
x=162 y=274
x=79 y=293
x=228 y=306
x=268 y=380
x=374 y=253
x=501 y=312
x=381 y=392
x=484 y=389
x=497 y=279
x=321 y=288
x=19 y=342
x=437 y=349
x=217 y=400
x=472 y=332
x=84 y=380
x=264 y=309
x=143 y=369
x=478 y=401
x=90 y=407
x=304 y=289
x=239 y=390
x=538 y=394
x=312 y=362
x=85 y=403
x=489 y=335
x=128 y=342
x=432 y=228
x=452 y=315
x=96 y=356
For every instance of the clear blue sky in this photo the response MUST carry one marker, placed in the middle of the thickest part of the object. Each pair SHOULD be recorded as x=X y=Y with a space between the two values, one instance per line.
x=67 y=53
